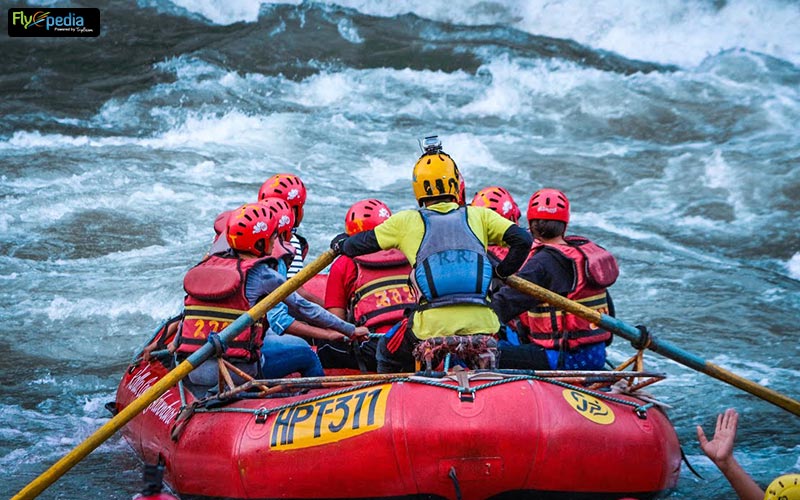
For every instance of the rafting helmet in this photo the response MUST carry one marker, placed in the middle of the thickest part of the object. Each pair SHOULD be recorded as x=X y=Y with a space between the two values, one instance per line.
x=786 y=487
x=549 y=204
x=251 y=228
x=283 y=212
x=288 y=187
x=365 y=215
x=499 y=200
x=436 y=174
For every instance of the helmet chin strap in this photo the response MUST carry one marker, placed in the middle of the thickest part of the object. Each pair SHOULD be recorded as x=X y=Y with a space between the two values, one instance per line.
x=438 y=199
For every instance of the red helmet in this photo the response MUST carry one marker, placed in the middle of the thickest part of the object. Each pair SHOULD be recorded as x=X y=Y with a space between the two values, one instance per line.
x=283 y=213
x=288 y=187
x=499 y=200
x=462 y=190
x=549 y=204
x=250 y=229
x=365 y=215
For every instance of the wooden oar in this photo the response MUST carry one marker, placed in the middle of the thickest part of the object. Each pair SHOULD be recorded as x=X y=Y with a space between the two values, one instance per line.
x=51 y=475
x=660 y=346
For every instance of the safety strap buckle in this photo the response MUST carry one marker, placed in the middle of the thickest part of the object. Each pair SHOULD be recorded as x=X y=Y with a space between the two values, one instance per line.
x=641 y=411
x=261 y=415
x=467 y=396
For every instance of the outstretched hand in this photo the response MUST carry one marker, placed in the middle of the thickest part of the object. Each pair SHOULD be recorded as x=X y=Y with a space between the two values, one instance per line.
x=720 y=451
x=720 y=448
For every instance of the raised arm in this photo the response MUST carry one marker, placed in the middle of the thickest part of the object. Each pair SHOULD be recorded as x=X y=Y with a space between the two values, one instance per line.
x=720 y=451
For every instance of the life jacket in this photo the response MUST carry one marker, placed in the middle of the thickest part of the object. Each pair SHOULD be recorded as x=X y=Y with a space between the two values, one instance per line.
x=382 y=291
x=215 y=297
x=498 y=252
x=283 y=251
x=221 y=224
x=220 y=243
x=452 y=266
x=594 y=269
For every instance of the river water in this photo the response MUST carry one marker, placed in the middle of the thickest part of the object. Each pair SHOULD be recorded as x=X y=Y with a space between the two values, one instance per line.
x=672 y=127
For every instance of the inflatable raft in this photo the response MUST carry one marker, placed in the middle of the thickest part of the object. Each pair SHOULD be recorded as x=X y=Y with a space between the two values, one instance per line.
x=464 y=434
x=470 y=435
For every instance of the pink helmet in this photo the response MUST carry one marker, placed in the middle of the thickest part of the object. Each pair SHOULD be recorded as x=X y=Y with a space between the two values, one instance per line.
x=365 y=215
x=499 y=200
x=549 y=204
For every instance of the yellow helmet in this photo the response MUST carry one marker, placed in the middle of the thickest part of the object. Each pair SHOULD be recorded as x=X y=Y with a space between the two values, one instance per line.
x=435 y=175
x=785 y=487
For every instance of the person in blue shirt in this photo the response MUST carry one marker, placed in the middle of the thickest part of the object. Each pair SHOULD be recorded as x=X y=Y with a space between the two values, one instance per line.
x=316 y=322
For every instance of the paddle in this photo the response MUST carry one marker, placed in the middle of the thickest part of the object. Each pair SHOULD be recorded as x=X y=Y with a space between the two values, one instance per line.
x=51 y=475
x=660 y=346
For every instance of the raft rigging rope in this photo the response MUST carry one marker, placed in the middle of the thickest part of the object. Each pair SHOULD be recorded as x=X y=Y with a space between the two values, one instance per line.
x=262 y=413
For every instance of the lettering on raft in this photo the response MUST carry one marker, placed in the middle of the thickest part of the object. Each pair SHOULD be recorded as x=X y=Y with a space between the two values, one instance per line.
x=330 y=420
x=164 y=410
x=141 y=382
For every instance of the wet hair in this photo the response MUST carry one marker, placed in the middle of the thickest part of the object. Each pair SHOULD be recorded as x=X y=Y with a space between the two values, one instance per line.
x=544 y=229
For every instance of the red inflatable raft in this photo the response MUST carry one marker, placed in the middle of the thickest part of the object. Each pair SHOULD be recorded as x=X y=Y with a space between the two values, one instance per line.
x=472 y=435
x=469 y=435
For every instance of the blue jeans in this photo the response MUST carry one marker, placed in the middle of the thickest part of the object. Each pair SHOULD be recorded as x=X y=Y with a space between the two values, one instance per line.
x=285 y=354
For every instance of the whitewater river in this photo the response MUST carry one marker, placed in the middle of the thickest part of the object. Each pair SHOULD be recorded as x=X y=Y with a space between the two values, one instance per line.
x=672 y=126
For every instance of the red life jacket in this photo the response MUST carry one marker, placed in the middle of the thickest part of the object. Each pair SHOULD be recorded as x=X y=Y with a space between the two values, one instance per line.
x=284 y=251
x=220 y=243
x=550 y=327
x=381 y=290
x=498 y=251
x=215 y=297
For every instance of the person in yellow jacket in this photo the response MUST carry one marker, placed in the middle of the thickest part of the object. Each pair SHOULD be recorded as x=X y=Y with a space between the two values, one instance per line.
x=445 y=242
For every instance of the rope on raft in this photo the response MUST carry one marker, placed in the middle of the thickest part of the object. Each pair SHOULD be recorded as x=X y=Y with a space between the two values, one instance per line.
x=505 y=378
x=478 y=351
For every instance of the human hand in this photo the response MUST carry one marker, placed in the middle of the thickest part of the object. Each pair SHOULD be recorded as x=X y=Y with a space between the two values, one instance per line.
x=147 y=353
x=336 y=336
x=720 y=448
x=147 y=350
x=361 y=334
x=496 y=274
x=337 y=243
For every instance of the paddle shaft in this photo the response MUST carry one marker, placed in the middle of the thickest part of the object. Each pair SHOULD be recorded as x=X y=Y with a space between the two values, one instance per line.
x=51 y=475
x=662 y=347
